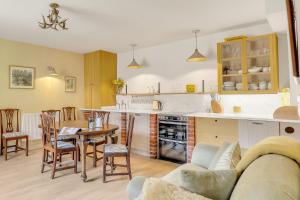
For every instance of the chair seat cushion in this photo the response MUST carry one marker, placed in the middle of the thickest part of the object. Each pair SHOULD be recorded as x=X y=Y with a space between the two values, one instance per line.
x=64 y=145
x=115 y=148
x=66 y=137
x=97 y=140
x=14 y=134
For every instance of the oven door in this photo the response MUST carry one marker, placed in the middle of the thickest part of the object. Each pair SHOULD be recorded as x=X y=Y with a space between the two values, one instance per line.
x=172 y=150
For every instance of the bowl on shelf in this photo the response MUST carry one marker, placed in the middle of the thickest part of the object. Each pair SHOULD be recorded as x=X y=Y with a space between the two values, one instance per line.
x=255 y=69
x=229 y=83
x=239 y=86
x=229 y=88
x=252 y=86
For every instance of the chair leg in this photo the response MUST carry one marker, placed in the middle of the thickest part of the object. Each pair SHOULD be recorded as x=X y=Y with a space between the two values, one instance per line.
x=75 y=161
x=27 y=145
x=54 y=165
x=5 y=149
x=128 y=166
x=78 y=153
x=16 y=147
x=104 y=168
x=43 y=160
x=94 y=155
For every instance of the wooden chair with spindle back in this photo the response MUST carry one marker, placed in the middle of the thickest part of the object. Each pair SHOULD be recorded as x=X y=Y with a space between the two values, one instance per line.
x=69 y=113
x=104 y=116
x=56 y=147
x=10 y=131
x=119 y=150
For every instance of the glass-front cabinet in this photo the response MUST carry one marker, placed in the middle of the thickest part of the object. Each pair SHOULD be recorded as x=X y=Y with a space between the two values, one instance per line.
x=248 y=65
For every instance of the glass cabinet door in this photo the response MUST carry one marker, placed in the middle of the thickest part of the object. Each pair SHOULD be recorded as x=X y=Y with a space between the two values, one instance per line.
x=231 y=68
x=261 y=61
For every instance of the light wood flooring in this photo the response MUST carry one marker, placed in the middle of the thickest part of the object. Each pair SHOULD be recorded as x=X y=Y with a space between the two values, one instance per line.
x=20 y=179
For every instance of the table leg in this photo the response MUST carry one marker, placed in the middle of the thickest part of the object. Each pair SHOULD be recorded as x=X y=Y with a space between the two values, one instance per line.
x=83 y=149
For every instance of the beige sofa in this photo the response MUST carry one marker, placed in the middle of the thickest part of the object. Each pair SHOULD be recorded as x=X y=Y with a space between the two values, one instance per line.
x=270 y=177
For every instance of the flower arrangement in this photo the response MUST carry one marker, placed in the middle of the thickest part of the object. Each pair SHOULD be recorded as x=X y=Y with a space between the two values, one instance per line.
x=119 y=84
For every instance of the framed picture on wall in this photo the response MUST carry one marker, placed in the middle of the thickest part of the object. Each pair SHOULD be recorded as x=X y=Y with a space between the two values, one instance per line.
x=21 y=77
x=70 y=84
x=293 y=15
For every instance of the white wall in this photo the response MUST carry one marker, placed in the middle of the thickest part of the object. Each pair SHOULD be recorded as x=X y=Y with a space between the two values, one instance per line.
x=166 y=64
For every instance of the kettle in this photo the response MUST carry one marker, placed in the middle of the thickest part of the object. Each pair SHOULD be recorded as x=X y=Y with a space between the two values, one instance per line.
x=156 y=105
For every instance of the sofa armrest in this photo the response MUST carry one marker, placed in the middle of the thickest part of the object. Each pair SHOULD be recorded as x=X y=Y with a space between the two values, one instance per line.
x=203 y=154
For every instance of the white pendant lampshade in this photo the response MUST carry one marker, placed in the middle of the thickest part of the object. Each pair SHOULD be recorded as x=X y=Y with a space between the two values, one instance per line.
x=134 y=64
x=196 y=56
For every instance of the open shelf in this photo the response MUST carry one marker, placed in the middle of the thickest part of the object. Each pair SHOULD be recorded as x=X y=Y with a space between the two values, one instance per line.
x=229 y=75
x=164 y=93
x=259 y=73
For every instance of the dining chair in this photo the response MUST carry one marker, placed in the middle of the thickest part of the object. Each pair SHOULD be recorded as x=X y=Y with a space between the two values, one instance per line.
x=95 y=142
x=54 y=113
x=56 y=147
x=10 y=131
x=119 y=150
x=69 y=113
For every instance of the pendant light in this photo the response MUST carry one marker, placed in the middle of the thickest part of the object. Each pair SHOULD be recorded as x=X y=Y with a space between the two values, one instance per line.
x=134 y=64
x=196 y=56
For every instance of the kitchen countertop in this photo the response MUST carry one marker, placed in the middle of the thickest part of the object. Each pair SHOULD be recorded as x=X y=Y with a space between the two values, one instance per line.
x=236 y=116
x=241 y=116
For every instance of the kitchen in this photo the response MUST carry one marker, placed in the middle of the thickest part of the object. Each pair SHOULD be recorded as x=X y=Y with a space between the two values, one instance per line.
x=158 y=81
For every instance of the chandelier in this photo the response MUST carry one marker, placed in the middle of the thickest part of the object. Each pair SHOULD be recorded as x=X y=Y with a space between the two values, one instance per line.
x=53 y=20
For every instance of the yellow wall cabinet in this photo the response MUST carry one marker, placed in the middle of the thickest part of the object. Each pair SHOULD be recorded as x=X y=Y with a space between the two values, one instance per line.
x=100 y=69
x=248 y=65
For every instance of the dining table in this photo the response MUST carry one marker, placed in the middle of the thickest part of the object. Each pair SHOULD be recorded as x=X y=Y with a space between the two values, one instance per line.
x=84 y=135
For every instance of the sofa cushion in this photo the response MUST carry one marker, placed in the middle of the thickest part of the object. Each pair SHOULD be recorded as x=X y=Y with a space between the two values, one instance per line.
x=203 y=154
x=217 y=156
x=230 y=158
x=135 y=187
x=216 y=185
x=174 y=176
x=270 y=177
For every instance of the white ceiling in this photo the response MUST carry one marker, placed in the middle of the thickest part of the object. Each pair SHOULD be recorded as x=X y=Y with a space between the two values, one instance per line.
x=114 y=24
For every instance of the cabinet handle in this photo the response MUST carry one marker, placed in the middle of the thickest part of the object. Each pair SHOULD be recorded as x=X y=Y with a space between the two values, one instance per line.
x=289 y=130
x=257 y=123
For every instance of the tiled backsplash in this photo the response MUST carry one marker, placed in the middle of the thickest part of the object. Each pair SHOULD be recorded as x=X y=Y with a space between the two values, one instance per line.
x=250 y=104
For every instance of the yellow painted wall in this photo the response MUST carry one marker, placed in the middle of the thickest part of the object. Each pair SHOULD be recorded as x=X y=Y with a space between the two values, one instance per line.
x=49 y=92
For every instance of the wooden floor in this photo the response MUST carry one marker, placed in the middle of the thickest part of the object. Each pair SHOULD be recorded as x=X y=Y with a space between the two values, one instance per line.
x=20 y=179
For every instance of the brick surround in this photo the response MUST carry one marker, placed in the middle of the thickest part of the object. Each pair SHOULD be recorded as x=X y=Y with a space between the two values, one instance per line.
x=153 y=136
x=191 y=138
x=123 y=127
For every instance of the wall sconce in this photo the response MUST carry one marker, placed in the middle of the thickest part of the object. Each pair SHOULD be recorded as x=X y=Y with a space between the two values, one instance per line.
x=51 y=71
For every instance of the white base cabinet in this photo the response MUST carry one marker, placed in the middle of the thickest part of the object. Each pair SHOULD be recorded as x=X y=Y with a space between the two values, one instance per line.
x=290 y=129
x=251 y=132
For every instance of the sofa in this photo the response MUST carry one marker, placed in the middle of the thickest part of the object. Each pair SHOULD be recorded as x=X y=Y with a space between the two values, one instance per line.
x=269 y=177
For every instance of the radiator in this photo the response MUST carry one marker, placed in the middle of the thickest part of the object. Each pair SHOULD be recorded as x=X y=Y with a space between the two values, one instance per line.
x=30 y=123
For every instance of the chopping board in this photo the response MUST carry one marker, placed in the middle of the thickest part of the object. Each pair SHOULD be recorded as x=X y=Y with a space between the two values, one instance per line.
x=216 y=107
x=286 y=112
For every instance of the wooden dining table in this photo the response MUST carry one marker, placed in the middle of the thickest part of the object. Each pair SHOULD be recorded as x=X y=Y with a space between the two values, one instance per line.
x=84 y=135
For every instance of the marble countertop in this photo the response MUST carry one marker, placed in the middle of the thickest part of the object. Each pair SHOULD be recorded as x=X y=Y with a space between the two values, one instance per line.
x=236 y=116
